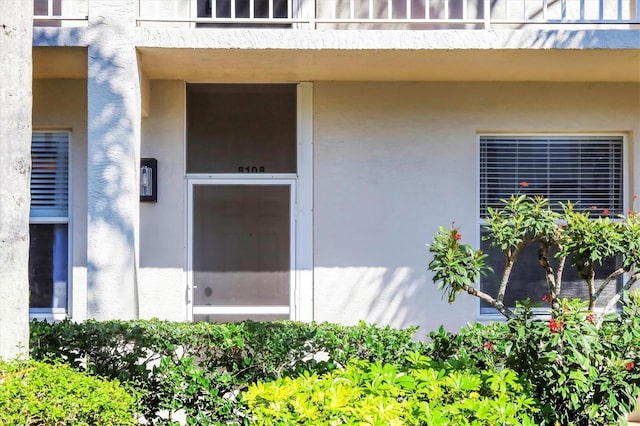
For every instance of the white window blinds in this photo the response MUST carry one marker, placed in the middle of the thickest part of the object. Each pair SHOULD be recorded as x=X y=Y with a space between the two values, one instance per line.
x=587 y=170
x=50 y=174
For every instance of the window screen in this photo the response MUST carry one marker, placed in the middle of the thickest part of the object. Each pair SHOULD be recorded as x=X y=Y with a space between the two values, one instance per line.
x=50 y=175
x=583 y=170
x=587 y=170
x=241 y=128
x=49 y=215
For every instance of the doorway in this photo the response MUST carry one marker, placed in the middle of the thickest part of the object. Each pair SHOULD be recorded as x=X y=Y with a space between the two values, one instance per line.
x=242 y=239
x=249 y=202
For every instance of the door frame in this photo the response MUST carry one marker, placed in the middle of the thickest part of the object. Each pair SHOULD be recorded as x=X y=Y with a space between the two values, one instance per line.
x=302 y=306
x=287 y=180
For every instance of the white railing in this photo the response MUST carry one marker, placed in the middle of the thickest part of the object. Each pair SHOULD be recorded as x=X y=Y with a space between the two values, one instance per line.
x=60 y=13
x=390 y=14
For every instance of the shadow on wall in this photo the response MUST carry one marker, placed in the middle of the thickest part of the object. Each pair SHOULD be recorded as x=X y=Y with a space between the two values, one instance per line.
x=398 y=296
x=113 y=155
x=113 y=205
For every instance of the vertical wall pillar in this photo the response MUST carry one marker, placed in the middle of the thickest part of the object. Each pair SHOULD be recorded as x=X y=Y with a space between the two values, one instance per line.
x=113 y=160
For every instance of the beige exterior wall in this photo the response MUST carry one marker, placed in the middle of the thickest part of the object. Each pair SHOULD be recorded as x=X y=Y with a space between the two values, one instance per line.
x=62 y=105
x=162 y=278
x=393 y=161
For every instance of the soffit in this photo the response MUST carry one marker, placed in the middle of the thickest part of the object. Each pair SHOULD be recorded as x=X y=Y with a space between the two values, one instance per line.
x=59 y=62
x=268 y=65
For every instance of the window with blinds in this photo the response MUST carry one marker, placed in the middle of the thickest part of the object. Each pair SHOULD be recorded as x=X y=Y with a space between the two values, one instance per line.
x=50 y=174
x=586 y=170
x=49 y=229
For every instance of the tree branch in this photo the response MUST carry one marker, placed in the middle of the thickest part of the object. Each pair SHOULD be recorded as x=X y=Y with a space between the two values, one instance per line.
x=558 y=276
x=508 y=267
x=615 y=274
x=614 y=300
x=591 y=284
x=497 y=304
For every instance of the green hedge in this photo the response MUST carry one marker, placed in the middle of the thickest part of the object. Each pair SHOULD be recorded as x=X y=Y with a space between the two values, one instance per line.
x=200 y=368
x=383 y=394
x=35 y=393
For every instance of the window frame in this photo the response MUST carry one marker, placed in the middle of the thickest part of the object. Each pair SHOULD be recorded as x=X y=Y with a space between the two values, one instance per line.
x=58 y=314
x=480 y=222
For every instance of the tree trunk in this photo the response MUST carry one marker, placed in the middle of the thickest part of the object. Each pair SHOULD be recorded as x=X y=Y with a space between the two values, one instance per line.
x=16 y=34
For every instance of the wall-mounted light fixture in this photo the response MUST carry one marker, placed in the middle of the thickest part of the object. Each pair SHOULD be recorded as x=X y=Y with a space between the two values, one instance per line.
x=148 y=179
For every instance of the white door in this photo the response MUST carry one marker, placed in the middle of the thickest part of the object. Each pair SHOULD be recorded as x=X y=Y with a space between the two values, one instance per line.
x=241 y=248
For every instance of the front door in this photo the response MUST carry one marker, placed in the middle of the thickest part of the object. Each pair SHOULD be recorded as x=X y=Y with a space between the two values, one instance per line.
x=243 y=182
x=241 y=248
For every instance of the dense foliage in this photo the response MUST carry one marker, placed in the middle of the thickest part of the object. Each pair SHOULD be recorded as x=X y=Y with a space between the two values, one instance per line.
x=199 y=368
x=580 y=365
x=35 y=393
x=424 y=393
x=578 y=373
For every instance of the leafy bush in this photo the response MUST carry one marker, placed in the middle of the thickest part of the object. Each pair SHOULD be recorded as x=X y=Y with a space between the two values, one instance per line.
x=578 y=373
x=201 y=367
x=573 y=235
x=384 y=394
x=581 y=368
x=35 y=393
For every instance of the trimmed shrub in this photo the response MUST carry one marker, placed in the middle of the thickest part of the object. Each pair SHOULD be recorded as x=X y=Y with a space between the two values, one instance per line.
x=200 y=368
x=384 y=394
x=35 y=393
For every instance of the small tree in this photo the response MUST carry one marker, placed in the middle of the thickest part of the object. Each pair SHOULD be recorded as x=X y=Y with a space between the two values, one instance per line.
x=572 y=235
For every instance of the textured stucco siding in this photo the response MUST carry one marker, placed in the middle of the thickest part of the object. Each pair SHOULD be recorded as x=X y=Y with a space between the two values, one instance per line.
x=393 y=161
x=162 y=278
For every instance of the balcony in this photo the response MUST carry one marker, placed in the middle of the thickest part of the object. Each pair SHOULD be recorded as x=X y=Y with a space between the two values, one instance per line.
x=391 y=14
x=360 y=14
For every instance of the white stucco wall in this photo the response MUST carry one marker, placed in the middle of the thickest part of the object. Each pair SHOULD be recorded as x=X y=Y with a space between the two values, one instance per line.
x=62 y=105
x=161 y=278
x=393 y=161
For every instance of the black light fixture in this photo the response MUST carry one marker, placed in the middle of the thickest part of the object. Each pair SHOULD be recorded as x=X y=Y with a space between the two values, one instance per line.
x=149 y=179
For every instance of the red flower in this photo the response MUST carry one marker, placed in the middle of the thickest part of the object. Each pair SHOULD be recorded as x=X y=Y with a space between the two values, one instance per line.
x=629 y=366
x=457 y=236
x=556 y=325
x=524 y=184
x=631 y=213
x=590 y=317
x=488 y=346
x=605 y=212
x=635 y=196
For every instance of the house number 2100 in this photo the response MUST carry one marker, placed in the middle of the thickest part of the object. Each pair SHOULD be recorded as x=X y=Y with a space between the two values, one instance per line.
x=251 y=169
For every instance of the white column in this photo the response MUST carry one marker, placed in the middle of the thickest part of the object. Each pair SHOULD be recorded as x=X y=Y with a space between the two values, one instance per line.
x=113 y=158
x=304 y=299
x=16 y=33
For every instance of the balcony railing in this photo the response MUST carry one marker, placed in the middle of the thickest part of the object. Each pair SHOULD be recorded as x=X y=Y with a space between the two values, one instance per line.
x=359 y=14
x=391 y=14
x=60 y=13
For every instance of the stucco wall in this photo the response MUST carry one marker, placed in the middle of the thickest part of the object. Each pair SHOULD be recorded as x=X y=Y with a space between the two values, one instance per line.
x=62 y=105
x=393 y=161
x=162 y=280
